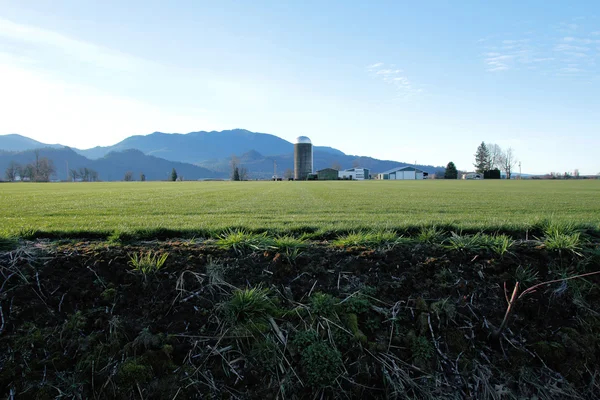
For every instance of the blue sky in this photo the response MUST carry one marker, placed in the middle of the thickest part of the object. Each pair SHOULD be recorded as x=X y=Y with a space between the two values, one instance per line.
x=407 y=81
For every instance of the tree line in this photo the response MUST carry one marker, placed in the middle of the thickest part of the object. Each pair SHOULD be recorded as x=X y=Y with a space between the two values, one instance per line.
x=488 y=158
x=38 y=171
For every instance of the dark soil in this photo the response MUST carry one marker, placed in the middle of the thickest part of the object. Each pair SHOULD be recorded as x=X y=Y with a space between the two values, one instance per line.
x=412 y=321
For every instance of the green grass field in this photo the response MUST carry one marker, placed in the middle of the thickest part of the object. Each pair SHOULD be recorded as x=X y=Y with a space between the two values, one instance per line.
x=86 y=208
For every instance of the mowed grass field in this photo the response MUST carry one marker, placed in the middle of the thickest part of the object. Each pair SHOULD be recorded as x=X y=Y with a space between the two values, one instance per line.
x=87 y=208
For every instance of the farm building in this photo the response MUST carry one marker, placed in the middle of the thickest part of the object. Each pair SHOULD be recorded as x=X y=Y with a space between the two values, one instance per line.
x=472 y=175
x=403 y=173
x=327 y=174
x=358 y=174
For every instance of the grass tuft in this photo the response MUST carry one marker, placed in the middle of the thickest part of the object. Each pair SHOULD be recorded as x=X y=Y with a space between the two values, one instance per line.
x=562 y=238
x=149 y=262
x=249 y=308
x=241 y=241
x=368 y=239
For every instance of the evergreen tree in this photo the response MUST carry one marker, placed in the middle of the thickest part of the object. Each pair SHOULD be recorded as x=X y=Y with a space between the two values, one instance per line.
x=451 y=172
x=173 y=175
x=236 y=174
x=482 y=158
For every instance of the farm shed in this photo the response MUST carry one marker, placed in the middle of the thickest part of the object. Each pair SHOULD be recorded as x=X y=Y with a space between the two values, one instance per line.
x=358 y=174
x=327 y=174
x=403 y=173
x=472 y=175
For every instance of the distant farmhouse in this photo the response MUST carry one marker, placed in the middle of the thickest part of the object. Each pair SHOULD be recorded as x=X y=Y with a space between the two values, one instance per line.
x=354 y=174
x=472 y=175
x=327 y=174
x=357 y=174
x=403 y=173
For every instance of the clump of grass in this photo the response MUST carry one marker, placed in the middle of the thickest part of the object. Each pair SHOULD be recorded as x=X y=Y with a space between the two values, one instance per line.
x=368 y=239
x=526 y=275
x=562 y=238
x=500 y=244
x=249 y=309
x=430 y=234
x=466 y=242
x=241 y=241
x=149 y=262
x=288 y=243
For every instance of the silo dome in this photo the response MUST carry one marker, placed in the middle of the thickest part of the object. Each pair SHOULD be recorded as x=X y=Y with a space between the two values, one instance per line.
x=303 y=139
x=303 y=158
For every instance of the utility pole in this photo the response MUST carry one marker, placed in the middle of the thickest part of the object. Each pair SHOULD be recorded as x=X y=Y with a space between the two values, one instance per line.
x=519 y=170
x=275 y=170
x=67 y=178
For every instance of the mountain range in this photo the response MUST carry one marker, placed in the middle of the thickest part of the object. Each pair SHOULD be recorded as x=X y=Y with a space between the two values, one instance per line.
x=195 y=155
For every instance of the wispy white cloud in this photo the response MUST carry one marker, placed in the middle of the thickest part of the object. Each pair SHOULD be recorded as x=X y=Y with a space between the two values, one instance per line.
x=395 y=77
x=67 y=47
x=572 y=43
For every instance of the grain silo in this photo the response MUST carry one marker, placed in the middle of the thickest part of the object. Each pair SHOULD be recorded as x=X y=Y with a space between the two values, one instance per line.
x=303 y=158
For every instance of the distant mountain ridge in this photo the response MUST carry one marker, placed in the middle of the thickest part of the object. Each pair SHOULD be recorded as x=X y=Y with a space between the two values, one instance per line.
x=15 y=142
x=195 y=147
x=259 y=153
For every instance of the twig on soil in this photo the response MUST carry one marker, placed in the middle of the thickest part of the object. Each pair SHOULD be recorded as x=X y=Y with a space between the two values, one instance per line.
x=280 y=334
x=6 y=280
x=514 y=298
x=313 y=287
x=97 y=277
x=61 y=301
x=2 y=318
x=37 y=278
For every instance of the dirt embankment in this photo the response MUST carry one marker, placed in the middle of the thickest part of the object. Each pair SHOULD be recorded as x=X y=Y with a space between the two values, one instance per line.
x=408 y=321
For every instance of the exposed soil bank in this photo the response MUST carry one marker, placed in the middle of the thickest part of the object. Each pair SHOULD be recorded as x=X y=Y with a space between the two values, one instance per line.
x=407 y=321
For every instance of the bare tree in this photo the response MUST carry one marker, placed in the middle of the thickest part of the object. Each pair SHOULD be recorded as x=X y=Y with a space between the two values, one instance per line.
x=507 y=161
x=28 y=172
x=44 y=168
x=128 y=176
x=494 y=155
x=13 y=171
x=288 y=173
x=336 y=165
x=243 y=174
x=356 y=163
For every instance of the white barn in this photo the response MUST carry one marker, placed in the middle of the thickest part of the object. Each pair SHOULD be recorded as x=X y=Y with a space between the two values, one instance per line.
x=403 y=173
x=357 y=174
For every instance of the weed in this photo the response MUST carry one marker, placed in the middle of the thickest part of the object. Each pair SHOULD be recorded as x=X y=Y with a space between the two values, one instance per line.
x=323 y=304
x=132 y=373
x=421 y=348
x=322 y=364
x=526 y=275
x=149 y=262
x=303 y=339
x=356 y=304
x=266 y=354
x=444 y=310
